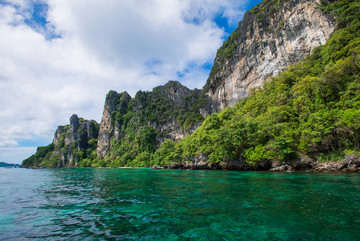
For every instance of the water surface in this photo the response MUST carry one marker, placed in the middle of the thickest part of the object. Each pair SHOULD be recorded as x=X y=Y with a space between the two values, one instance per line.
x=145 y=204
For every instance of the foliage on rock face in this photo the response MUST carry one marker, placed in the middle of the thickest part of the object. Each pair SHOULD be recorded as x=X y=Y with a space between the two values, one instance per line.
x=42 y=153
x=264 y=14
x=74 y=147
x=146 y=113
x=136 y=121
x=311 y=109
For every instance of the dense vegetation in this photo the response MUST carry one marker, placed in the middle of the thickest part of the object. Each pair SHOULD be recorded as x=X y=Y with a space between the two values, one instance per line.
x=73 y=147
x=139 y=121
x=313 y=109
x=268 y=18
x=43 y=154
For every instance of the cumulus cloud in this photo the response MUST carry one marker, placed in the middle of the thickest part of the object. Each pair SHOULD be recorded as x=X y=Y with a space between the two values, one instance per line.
x=67 y=63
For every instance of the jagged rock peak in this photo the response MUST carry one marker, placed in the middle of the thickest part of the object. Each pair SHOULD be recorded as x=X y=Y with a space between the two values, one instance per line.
x=173 y=84
x=174 y=90
x=71 y=143
x=271 y=36
x=72 y=139
x=114 y=102
x=171 y=109
x=74 y=122
x=79 y=130
x=113 y=98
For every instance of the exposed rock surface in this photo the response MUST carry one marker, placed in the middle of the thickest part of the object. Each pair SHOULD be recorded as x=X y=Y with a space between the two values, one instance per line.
x=72 y=140
x=269 y=39
x=265 y=44
x=282 y=168
x=114 y=102
x=164 y=109
x=178 y=95
x=351 y=163
x=70 y=144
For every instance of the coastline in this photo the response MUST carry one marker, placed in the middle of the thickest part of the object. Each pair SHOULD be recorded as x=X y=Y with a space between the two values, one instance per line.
x=350 y=164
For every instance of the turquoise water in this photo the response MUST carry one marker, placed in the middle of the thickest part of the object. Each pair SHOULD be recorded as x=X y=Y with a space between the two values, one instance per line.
x=145 y=204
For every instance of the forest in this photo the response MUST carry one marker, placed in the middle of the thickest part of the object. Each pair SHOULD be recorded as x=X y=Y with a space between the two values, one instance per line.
x=312 y=109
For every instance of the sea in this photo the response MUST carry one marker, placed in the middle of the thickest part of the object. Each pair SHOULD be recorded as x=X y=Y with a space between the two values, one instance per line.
x=145 y=204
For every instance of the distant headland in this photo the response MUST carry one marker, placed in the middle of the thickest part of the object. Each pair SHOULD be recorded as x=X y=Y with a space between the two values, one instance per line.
x=4 y=164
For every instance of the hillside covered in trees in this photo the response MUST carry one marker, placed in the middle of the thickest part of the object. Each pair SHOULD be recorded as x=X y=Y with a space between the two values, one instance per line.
x=310 y=111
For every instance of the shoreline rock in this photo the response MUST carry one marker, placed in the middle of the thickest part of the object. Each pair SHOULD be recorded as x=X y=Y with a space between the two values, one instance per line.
x=351 y=163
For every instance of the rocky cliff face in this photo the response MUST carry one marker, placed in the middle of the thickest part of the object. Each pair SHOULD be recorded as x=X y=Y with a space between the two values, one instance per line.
x=71 y=142
x=171 y=111
x=114 y=103
x=180 y=99
x=272 y=36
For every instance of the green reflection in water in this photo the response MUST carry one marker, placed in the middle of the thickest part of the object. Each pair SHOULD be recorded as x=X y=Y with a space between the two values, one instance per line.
x=145 y=204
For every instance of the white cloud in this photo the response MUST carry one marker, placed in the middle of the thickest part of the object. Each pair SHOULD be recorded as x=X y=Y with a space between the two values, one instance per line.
x=208 y=9
x=15 y=154
x=115 y=44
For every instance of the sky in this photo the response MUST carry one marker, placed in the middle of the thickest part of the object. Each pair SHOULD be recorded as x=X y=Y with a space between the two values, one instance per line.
x=60 y=57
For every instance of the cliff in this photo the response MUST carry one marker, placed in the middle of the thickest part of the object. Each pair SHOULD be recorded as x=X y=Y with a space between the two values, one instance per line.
x=306 y=118
x=132 y=127
x=71 y=144
x=114 y=104
x=288 y=119
x=271 y=36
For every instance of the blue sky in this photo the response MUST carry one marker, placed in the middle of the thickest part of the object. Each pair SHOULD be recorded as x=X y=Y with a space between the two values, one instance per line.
x=61 y=57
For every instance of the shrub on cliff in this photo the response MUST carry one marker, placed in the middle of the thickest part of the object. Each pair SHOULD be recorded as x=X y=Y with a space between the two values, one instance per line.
x=311 y=109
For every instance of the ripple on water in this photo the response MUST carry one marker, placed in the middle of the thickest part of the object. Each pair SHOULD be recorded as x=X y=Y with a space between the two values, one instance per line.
x=143 y=204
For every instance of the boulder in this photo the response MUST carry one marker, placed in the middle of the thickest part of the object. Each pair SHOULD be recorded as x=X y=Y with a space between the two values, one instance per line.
x=352 y=168
x=282 y=168
x=304 y=163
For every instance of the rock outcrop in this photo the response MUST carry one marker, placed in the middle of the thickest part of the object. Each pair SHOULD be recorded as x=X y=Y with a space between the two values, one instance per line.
x=272 y=36
x=171 y=110
x=351 y=163
x=72 y=141
x=114 y=103
x=71 y=144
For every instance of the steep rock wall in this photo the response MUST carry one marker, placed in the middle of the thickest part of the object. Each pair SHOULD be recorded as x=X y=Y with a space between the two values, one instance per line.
x=71 y=142
x=270 y=37
x=171 y=111
x=114 y=103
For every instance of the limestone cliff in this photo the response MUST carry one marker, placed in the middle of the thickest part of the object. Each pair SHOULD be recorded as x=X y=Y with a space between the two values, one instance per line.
x=170 y=111
x=271 y=36
x=114 y=103
x=71 y=144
